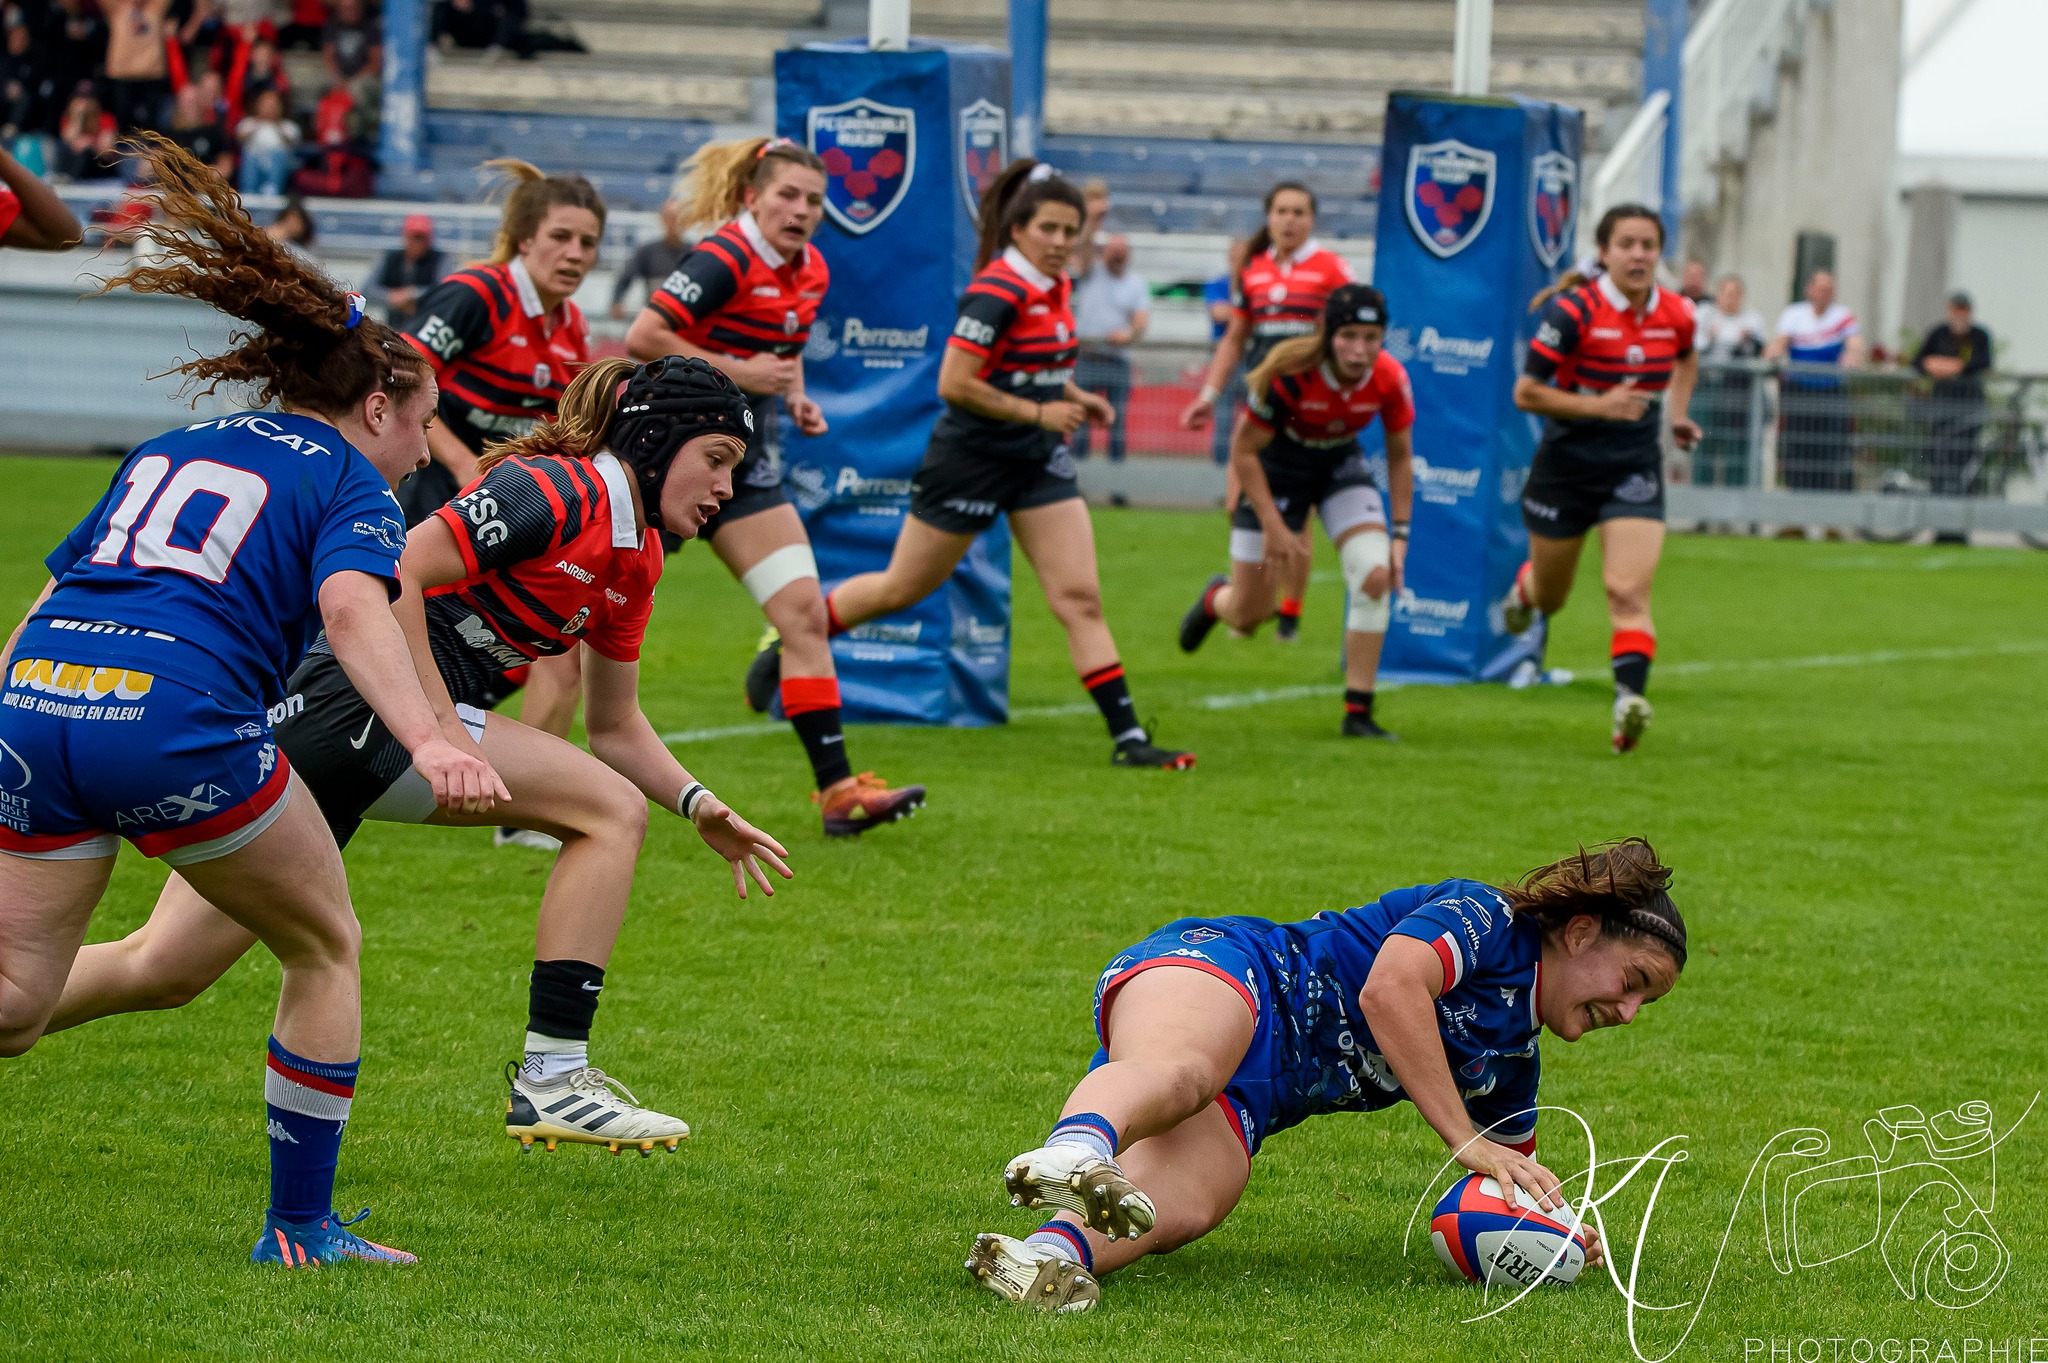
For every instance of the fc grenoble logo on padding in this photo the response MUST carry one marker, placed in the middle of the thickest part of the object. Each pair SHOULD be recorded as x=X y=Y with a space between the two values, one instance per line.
x=984 y=149
x=870 y=155
x=1449 y=194
x=1553 y=198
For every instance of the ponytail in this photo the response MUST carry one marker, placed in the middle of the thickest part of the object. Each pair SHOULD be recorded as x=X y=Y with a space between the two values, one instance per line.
x=713 y=187
x=531 y=195
x=311 y=350
x=1623 y=885
x=1586 y=271
x=1291 y=356
x=1262 y=240
x=1013 y=201
x=581 y=420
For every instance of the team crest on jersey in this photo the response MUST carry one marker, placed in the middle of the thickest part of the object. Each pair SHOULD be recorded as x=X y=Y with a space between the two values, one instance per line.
x=541 y=374
x=1449 y=194
x=1194 y=937
x=984 y=149
x=870 y=155
x=1553 y=201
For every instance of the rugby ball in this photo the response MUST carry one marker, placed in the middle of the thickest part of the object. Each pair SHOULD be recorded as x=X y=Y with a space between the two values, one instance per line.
x=1483 y=1239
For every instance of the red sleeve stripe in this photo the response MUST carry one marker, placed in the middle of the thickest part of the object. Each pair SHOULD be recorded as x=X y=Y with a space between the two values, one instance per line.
x=672 y=310
x=1546 y=352
x=463 y=546
x=1453 y=961
x=493 y=296
x=980 y=352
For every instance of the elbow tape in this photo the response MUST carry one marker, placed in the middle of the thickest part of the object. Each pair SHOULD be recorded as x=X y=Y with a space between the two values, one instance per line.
x=791 y=563
x=1363 y=552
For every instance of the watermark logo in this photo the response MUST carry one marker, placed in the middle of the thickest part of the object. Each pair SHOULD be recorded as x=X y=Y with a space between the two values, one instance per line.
x=984 y=149
x=1449 y=195
x=1553 y=202
x=870 y=155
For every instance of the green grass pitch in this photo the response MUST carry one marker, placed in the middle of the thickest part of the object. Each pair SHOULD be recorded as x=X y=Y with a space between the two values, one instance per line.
x=1849 y=770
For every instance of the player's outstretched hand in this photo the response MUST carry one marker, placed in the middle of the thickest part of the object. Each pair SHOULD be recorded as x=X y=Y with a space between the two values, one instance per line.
x=1623 y=402
x=809 y=417
x=463 y=782
x=1595 y=1253
x=1686 y=433
x=1197 y=414
x=743 y=846
x=1511 y=1169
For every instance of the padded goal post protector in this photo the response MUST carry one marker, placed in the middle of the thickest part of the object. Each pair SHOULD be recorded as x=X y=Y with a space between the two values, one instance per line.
x=909 y=139
x=1478 y=205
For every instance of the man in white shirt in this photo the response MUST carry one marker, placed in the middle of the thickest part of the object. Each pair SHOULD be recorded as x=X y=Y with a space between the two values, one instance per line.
x=1816 y=450
x=1112 y=306
x=1728 y=338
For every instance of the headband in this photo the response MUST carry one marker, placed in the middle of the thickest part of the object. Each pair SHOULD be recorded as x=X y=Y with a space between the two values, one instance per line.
x=1042 y=171
x=1655 y=925
x=772 y=144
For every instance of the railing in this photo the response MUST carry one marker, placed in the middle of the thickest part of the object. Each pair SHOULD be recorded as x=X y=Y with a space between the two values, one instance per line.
x=1732 y=57
x=1633 y=171
x=1820 y=428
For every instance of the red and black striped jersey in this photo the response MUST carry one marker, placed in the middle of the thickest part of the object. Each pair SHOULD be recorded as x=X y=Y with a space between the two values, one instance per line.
x=1588 y=340
x=736 y=294
x=1019 y=323
x=1313 y=413
x=1284 y=298
x=555 y=558
x=10 y=209
x=502 y=360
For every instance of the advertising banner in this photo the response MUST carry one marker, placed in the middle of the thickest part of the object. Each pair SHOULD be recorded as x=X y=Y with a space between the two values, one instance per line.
x=908 y=140
x=1477 y=210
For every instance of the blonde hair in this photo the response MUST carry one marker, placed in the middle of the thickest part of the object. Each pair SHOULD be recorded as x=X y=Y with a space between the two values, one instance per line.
x=713 y=186
x=580 y=422
x=530 y=197
x=1291 y=356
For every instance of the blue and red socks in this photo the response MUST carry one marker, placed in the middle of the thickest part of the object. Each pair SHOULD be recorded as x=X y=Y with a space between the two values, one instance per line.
x=1633 y=651
x=1064 y=1239
x=1087 y=1129
x=308 y=1102
x=1112 y=695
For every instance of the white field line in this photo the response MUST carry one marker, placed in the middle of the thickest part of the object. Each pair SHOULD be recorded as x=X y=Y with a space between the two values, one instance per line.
x=1238 y=700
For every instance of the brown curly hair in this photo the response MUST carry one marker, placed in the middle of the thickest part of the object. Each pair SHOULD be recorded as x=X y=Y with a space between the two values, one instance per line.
x=302 y=354
x=1621 y=883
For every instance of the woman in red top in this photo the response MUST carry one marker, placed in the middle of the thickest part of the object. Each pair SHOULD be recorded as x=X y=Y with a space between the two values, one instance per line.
x=744 y=301
x=32 y=217
x=556 y=543
x=1296 y=450
x=1606 y=355
x=1276 y=296
x=1001 y=446
x=505 y=338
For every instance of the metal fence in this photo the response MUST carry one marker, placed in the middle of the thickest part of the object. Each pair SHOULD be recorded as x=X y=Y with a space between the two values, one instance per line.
x=1819 y=428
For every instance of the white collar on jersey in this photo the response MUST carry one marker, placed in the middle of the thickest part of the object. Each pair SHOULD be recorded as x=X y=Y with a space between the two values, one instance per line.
x=1035 y=277
x=529 y=296
x=1614 y=295
x=619 y=490
x=1330 y=377
x=1299 y=254
x=751 y=230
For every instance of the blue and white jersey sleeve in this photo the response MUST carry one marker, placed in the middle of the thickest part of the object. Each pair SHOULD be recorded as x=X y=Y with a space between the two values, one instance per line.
x=1468 y=925
x=363 y=529
x=83 y=536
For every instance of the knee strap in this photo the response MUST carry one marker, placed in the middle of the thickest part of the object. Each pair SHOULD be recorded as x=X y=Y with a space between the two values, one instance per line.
x=790 y=563
x=1363 y=552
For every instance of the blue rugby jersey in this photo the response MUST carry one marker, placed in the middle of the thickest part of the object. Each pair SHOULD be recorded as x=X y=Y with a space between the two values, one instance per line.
x=204 y=560
x=1486 y=1014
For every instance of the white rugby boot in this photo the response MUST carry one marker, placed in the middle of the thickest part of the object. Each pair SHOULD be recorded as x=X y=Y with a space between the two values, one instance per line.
x=1076 y=1179
x=1032 y=1275
x=1518 y=608
x=1631 y=717
x=589 y=1107
x=530 y=838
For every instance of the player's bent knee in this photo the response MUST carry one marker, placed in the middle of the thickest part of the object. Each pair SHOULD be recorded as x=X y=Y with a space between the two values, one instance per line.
x=789 y=564
x=1365 y=556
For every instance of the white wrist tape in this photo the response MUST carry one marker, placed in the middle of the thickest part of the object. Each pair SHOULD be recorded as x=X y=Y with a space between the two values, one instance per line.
x=1363 y=552
x=693 y=795
x=791 y=563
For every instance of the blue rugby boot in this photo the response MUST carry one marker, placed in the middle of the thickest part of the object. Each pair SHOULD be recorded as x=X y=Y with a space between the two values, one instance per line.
x=323 y=1240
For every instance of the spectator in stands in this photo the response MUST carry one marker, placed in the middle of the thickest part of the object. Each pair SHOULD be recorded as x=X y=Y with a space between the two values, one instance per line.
x=1112 y=306
x=1728 y=333
x=85 y=140
x=307 y=27
x=653 y=262
x=28 y=82
x=1816 y=334
x=352 y=49
x=71 y=45
x=268 y=140
x=464 y=23
x=259 y=67
x=1095 y=196
x=1956 y=355
x=293 y=226
x=407 y=272
x=138 y=80
x=1692 y=282
x=196 y=128
x=1216 y=296
x=32 y=217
